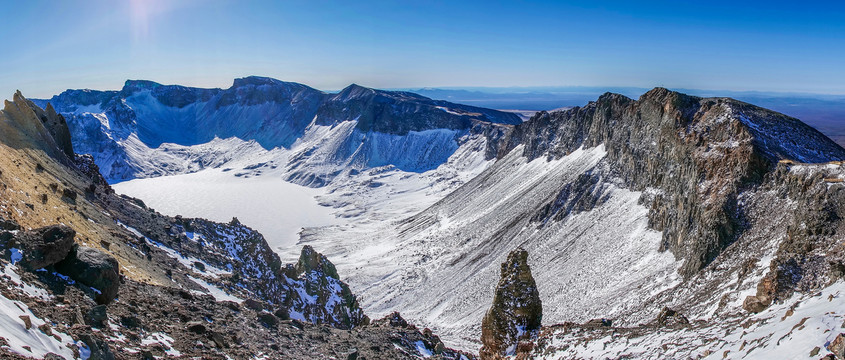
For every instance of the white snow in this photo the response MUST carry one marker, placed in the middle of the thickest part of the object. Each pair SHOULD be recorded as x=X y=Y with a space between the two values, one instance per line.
x=422 y=349
x=32 y=291
x=165 y=340
x=772 y=334
x=215 y=291
x=277 y=209
x=12 y=328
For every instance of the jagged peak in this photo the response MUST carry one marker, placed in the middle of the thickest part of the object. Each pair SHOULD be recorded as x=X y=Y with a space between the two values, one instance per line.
x=517 y=311
x=27 y=125
x=311 y=260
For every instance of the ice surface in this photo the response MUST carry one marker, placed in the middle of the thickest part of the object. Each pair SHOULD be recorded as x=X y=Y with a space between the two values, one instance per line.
x=277 y=209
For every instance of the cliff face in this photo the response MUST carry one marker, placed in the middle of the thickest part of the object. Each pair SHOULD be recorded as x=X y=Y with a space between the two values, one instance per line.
x=693 y=155
x=811 y=254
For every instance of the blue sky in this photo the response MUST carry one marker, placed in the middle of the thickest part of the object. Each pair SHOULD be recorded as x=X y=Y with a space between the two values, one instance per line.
x=733 y=45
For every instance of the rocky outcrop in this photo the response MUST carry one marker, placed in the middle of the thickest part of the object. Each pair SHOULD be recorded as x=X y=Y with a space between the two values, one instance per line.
x=516 y=313
x=671 y=318
x=26 y=125
x=95 y=269
x=327 y=299
x=837 y=346
x=57 y=126
x=44 y=246
x=811 y=255
x=694 y=154
x=308 y=291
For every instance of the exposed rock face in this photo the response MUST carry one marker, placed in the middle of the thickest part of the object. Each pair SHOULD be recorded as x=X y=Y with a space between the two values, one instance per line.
x=57 y=126
x=837 y=346
x=671 y=318
x=26 y=125
x=7 y=224
x=396 y=112
x=696 y=154
x=45 y=246
x=811 y=255
x=93 y=268
x=516 y=312
x=329 y=300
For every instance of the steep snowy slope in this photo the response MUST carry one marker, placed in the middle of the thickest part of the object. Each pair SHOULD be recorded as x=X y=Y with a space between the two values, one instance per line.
x=580 y=264
x=624 y=206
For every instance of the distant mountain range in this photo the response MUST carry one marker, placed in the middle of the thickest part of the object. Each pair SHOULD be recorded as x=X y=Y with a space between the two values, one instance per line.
x=123 y=128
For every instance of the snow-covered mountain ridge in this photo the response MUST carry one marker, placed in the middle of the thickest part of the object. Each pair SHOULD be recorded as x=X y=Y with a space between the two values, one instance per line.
x=125 y=129
x=697 y=154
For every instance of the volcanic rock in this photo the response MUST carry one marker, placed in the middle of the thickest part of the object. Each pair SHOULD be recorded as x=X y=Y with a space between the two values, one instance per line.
x=45 y=246
x=93 y=268
x=516 y=312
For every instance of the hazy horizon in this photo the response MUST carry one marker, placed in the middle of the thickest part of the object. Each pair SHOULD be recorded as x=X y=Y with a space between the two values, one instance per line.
x=550 y=89
x=753 y=46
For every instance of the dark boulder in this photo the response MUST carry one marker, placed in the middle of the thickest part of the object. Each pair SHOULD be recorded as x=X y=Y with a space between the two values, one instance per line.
x=93 y=268
x=196 y=327
x=671 y=318
x=69 y=196
x=98 y=348
x=8 y=224
x=268 y=320
x=254 y=304
x=45 y=246
x=97 y=316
